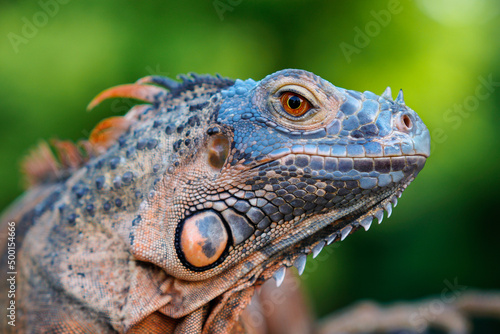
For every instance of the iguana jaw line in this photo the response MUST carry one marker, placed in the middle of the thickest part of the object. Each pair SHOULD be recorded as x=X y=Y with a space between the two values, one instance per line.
x=311 y=243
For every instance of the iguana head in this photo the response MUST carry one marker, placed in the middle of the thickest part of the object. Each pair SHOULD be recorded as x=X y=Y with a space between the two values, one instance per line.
x=253 y=176
x=285 y=166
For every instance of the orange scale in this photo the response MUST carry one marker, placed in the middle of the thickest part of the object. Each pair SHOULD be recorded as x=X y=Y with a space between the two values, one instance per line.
x=203 y=239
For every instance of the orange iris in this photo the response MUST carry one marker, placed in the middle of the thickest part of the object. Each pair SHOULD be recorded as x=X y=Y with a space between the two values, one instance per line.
x=294 y=104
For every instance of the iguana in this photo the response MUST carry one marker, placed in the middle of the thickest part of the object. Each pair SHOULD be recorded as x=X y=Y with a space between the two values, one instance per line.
x=169 y=218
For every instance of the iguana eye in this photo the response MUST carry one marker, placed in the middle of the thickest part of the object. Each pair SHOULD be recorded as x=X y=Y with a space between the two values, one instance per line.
x=298 y=103
x=294 y=104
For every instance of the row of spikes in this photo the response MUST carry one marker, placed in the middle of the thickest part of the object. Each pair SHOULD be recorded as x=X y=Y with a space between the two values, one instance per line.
x=387 y=94
x=364 y=221
x=41 y=165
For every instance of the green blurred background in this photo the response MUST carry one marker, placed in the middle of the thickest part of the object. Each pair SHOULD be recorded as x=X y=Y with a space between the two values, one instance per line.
x=440 y=52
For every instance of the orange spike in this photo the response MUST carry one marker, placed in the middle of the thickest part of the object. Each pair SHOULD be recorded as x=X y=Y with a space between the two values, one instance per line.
x=68 y=153
x=145 y=80
x=107 y=132
x=39 y=165
x=147 y=93
x=164 y=82
x=86 y=148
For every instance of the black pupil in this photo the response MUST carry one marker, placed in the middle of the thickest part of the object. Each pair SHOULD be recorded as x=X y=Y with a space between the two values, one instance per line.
x=294 y=102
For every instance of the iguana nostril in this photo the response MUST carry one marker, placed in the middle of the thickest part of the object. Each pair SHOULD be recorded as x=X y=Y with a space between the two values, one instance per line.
x=405 y=123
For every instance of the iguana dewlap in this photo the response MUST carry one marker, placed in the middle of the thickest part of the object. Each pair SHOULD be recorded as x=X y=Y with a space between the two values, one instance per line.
x=177 y=211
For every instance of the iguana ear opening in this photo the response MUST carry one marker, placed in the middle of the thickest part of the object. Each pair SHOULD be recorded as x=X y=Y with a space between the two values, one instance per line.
x=218 y=150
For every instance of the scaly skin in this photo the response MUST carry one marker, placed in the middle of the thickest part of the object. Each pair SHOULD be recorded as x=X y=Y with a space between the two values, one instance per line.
x=200 y=197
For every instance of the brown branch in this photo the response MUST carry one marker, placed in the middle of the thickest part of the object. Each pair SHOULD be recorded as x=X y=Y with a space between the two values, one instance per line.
x=448 y=313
